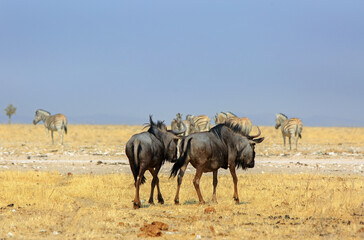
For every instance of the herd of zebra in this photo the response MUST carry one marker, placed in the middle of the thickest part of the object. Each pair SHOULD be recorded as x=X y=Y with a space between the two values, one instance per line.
x=291 y=128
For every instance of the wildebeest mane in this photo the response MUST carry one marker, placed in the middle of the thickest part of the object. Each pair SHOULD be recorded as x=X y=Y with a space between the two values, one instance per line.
x=233 y=127
x=160 y=125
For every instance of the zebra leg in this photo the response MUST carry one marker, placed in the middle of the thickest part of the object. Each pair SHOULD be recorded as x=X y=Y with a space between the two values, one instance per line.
x=60 y=132
x=52 y=137
x=284 y=141
x=296 y=142
x=290 y=147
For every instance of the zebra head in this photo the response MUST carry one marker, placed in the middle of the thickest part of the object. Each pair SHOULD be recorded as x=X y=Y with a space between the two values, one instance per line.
x=280 y=118
x=40 y=115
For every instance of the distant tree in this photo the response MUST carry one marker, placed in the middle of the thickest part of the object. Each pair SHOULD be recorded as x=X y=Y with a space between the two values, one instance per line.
x=10 y=110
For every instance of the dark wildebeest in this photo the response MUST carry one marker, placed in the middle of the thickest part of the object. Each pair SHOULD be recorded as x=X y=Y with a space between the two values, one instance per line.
x=223 y=146
x=148 y=151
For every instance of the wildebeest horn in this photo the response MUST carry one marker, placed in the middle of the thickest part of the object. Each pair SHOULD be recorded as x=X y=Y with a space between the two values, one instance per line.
x=254 y=136
x=180 y=131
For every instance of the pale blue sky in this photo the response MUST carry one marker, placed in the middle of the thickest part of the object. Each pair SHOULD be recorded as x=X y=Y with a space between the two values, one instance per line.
x=119 y=61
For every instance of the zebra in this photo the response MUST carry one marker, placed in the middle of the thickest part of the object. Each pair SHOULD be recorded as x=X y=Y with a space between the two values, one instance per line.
x=57 y=122
x=244 y=123
x=199 y=123
x=291 y=128
x=178 y=124
x=222 y=117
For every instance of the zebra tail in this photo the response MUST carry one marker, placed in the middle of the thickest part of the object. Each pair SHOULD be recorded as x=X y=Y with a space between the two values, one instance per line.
x=182 y=159
x=135 y=163
x=298 y=131
x=65 y=128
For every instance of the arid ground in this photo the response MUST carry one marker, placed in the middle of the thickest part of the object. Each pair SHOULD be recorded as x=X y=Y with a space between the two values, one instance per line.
x=84 y=189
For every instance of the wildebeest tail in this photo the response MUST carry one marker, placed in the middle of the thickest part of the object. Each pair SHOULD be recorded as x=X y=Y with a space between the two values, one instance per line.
x=182 y=159
x=135 y=163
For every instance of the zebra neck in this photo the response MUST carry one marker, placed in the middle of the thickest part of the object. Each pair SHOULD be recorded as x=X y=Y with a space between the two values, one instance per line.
x=45 y=118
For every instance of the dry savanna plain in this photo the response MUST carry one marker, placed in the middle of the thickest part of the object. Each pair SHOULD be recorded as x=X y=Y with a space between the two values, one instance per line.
x=84 y=189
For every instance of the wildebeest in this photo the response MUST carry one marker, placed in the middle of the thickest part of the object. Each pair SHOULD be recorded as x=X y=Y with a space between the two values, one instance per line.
x=291 y=128
x=148 y=151
x=200 y=123
x=57 y=122
x=223 y=146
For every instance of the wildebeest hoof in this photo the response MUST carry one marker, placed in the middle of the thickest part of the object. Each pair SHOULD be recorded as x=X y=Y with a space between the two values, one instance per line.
x=176 y=201
x=136 y=205
x=151 y=202
x=202 y=202
x=161 y=200
x=236 y=200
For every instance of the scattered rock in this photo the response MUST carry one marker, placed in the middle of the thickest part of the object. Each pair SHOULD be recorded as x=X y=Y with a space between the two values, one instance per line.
x=209 y=210
x=153 y=230
x=212 y=229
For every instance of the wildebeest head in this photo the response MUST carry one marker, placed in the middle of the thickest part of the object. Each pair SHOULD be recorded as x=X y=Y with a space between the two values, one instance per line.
x=168 y=138
x=246 y=150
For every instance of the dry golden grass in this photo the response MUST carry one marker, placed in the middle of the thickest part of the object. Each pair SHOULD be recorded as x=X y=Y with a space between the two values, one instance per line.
x=43 y=205
x=48 y=205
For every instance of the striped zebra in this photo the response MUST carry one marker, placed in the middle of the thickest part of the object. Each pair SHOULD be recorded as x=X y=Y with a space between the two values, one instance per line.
x=178 y=124
x=199 y=123
x=291 y=128
x=57 y=122
x=244 y=123
x=222 y=117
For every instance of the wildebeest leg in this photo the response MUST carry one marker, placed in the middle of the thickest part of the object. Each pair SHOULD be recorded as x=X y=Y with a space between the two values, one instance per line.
x=155 y=181
x=179 y=182
x=160 y=198
x=235 y=180
x=136 y=201
x=196 y=183
x=215 y=185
